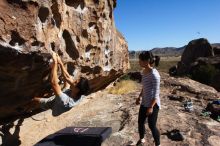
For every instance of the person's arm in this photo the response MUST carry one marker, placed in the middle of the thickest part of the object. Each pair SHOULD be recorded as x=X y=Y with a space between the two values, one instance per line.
x=66 y=85
x=139 y=97
x=156 y=88
x=153 y=102
x=54 y=77
x=67 y=77
x=151 y=108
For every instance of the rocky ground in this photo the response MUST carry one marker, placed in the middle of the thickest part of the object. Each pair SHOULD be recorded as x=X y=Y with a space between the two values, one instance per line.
x=120 y=112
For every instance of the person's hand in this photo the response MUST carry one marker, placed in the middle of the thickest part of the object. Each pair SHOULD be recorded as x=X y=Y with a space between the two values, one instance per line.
x=149 y=111
x=54 y=56
x=138 y=101
x=59 y=60
x=75 y=82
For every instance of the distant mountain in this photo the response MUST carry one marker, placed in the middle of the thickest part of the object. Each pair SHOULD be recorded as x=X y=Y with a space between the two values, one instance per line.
x=217 y=45
x=168 y=51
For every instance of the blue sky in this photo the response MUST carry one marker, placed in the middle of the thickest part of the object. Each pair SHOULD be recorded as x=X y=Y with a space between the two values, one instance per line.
x=167 y=23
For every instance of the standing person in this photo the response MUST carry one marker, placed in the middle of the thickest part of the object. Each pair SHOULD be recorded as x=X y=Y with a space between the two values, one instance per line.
x=150 y=103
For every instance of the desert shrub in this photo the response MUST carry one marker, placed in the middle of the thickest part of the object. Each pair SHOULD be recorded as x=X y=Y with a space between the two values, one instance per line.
x=134 y=66
x=205 y=74
x=123 y=87
x=164 y=65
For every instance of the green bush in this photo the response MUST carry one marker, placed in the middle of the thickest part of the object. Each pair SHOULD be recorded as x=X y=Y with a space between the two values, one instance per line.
x=205 y=74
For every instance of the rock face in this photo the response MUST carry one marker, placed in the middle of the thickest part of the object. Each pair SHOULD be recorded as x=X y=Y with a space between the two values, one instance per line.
x=82 y=32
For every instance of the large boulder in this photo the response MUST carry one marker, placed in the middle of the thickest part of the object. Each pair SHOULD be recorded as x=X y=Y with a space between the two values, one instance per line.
x=201 y=62
x=195 y=49
x=82 y=32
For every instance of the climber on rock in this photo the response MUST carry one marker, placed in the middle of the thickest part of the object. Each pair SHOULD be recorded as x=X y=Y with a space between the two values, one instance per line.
x=62 y=101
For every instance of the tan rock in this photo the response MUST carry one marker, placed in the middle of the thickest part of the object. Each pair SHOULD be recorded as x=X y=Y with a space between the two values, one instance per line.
x=214 y=140
x=82 y=32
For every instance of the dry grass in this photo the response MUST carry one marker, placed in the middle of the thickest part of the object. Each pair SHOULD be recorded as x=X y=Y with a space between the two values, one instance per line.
x=169 y=58
x=166 y=65
x=123 y=87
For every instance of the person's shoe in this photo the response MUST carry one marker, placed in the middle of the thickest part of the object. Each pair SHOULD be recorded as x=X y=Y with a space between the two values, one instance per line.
x=140 y=142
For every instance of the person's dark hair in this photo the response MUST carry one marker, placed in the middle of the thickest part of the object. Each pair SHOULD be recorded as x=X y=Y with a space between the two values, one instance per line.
x=83 y=86
x=157 y=60
x=146 y=56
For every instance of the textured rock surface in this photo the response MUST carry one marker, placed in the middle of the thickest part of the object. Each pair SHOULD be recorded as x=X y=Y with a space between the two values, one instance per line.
x=120 y=112
x=82 y=32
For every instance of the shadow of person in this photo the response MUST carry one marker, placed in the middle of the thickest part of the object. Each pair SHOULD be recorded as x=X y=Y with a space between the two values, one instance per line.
x=8 y=138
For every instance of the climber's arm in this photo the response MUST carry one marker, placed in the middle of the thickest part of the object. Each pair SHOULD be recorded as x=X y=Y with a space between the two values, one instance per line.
x=67 y=77
x=54 y=77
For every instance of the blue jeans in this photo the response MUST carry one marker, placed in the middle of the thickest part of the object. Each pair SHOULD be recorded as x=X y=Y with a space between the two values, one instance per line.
x=58 y=104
